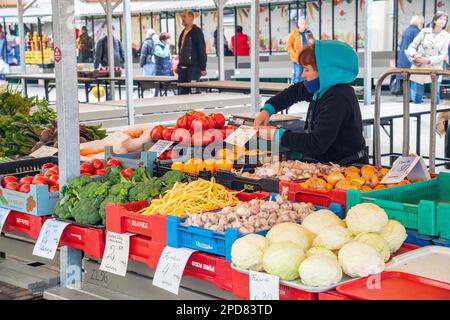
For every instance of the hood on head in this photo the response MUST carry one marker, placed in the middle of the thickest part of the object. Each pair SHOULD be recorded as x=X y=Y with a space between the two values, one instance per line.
x=337 y=63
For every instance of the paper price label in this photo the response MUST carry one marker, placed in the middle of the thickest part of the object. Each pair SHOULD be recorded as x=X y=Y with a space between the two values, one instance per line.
x=48 y=239
x=413 y=168
x=4 y=213
x=241 y=136
x=115 y=257
x=160 y=146
x=44 y=151
x=264 y=286
x=170 y=268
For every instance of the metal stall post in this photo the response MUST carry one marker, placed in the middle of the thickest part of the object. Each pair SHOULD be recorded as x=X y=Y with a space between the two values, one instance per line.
x=220 y=43
x=235 y=38
x=128 y=61
x=23 y=67
x=406 y=116
x=434 y=87
x=368 y=53
x=254 y=56
x=110 y=40
x=68 y=120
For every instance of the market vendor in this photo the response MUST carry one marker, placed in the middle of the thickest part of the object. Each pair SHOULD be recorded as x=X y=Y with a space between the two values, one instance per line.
x=333 y=128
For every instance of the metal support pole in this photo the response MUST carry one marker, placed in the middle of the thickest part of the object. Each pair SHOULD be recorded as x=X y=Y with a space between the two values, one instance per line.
x=68 y=119
x=396 y=8
x=254 y=58
x=21 y=35
x=356 y=24
x=110 y=36
x=434 y=87
x=406 y=116
x=270 y=29
x=235 y=38
x=128 y=61
x=220 y=43
x=368 y=53
x=332 y=20
x=320 y=19
x=6 y=42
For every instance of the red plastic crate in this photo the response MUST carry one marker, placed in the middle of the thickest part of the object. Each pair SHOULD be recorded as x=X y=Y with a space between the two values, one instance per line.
x=123 y=218
x=144 y=250
x=241 y=289
x=332 y=295
x=211 y=268
x=90 y=240
x=24 y=223
x=321 y=198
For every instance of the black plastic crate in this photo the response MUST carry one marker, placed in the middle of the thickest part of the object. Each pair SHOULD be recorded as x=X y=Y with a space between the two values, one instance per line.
x=238 y=183
x=163 y=166
x=26 y=166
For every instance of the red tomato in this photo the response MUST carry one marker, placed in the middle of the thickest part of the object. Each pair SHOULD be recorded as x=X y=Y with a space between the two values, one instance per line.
x=98 y=164
x=40 y=180
x=167 y=134
x=7 y=180
x=212 y=124
x=54 y=188
x=156 y=133
x=219 y=120
x=201 y=138
x=163 y=156
x=26 y=180
x=87 y=174
x=53 y=179
x=48 y=165
x=86 y=167
x=127 y=172
x=214 y=135
x=13 y=186
x=113 y=163
x=100 y=172
x=200 y=124
x=196 y=114
x=25 y=188
x=52 y=171
x=172 y=154
x=182 y=136
x=184 y=122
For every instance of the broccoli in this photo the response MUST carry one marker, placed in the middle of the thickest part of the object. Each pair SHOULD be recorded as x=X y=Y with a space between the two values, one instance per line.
x=114 y=176
x=63 y=210
x=145 y=190
x=140 y=175
x=86 y=211
x=90 y=190
x=170 y=178
x=110 y=199
x=79 y=182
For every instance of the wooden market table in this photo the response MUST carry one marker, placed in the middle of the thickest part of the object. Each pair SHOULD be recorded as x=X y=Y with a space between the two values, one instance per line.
x=269 y=88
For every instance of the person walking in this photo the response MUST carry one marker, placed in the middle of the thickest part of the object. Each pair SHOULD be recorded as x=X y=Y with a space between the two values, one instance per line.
x=192 y=52
x=226 y=48
x=147 y=61
x=408 y=36
x=85 y=46
x=299 y=38
x=163 y=59
x=240 y=43
x=428 y=51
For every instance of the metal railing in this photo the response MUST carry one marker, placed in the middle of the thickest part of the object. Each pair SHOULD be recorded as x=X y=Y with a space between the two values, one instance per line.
x=406 y=73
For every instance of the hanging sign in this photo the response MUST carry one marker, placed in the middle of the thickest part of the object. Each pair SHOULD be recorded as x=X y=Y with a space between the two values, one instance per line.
x=412 y=167
x=57 y=54
x=49 y=237
x=44 y=151
x=4 y=213
x=161 y=146
x=241 y=136
x=264 y=286
x=115 y=257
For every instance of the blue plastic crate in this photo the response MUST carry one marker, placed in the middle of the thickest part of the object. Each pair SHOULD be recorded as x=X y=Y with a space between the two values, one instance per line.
x=133 y=160
x=219 y=243
x=442 y=242
x=413 y=237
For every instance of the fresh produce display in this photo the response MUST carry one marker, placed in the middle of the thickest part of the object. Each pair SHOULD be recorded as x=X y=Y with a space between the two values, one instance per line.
x=185 y=199
x=195 y=165
x=84 y=200
x=291 y=170
x=252 y=216
x=49 y=136
x=321 y=250
x=49 y=178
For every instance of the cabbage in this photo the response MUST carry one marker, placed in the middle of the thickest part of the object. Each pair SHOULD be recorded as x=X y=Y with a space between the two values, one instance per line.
x=395 y=234
x=319 y=220
x=375 y=241
x=291 y=232
x=321 y=251
x=247 y=252
x=366 y=217
x=320 y=271
x=283 y=259
x=332 y=238
x=358 y=259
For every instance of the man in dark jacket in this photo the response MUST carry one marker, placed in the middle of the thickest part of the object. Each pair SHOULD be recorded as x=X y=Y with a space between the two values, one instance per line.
x=192 y=52
x=101 y=53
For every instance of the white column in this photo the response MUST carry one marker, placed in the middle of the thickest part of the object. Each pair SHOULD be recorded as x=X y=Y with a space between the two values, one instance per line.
x=368 y=53
x=128 y=60
x=254 y=56
x=68 y=119
x=23 y=66
x=220 y=43
x=110 y=41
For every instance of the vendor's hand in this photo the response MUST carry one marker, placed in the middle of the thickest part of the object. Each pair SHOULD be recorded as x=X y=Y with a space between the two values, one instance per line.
x=203 y=73
x=422 y=60
x=266 y=132
x=262 y=119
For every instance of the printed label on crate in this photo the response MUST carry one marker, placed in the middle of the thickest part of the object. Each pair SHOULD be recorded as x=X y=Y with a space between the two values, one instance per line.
x=264 y=286
x=49 y=237
x=117 y=249
x=4 y=213
x=161 y=146
x=170 y=268
x=241 y=136
x=44 y=151
x=413 y=168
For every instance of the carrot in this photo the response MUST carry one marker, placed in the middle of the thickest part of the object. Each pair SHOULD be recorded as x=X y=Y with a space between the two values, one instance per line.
x=91 y=151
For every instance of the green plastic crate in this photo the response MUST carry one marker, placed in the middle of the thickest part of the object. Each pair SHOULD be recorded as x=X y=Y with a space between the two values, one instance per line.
x=422 y=206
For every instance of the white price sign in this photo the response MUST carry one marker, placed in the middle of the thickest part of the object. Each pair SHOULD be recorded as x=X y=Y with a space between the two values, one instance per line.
x=264 y=286
x=241 y=136
x=44 y=151
x=117 y=249
x=170 y=268
x=49 y=237
x=4 y=213
x=413 y=168
x=160 y=146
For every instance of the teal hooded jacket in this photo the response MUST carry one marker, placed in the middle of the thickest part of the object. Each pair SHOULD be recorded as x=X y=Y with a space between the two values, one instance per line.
x=333 y=129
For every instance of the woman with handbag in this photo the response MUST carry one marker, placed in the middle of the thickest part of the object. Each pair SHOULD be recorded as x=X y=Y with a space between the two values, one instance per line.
x=428 y=51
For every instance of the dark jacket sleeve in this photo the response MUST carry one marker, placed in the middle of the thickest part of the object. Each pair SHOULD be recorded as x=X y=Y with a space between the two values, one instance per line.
x=122 y=54
x=201 y=49
x=99 y=53
x=286 y=98
x=144 y=52
x=327 y=124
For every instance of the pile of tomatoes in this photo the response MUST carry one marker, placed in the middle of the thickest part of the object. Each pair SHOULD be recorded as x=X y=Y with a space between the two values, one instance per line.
x=49 y=178
x=195 y=128
x=97 y=167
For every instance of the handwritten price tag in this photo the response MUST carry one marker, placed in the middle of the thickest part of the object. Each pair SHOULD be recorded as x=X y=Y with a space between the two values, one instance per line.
x=160 y=146
x=48 y=239
x=241 y=136
x=115 y=257
x=170 y=268
x=412 y=167
x=264 y=286
x=4 y=213
x=44 y=151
